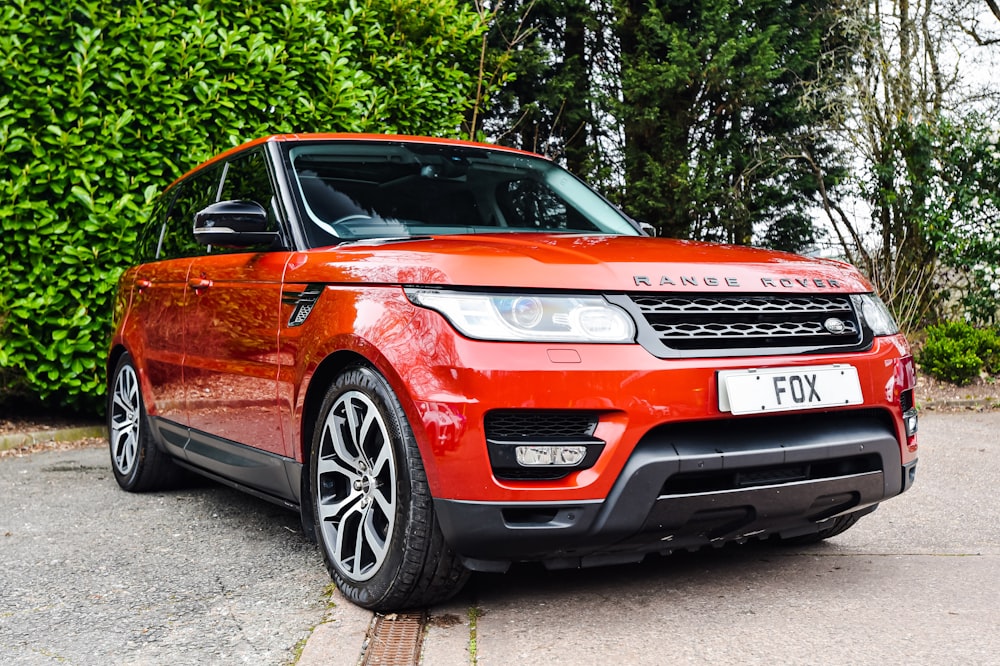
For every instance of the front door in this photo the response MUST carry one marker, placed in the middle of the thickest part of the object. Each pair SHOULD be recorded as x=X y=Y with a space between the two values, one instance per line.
x=231 y=347
x=231 y=364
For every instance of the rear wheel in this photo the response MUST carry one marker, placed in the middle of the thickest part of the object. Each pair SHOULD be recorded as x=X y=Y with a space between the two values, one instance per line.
x=374 y=514
x=139 y=465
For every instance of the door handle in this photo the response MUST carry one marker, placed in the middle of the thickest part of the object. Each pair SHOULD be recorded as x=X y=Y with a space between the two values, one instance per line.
x=199 y=283
x=142 y=284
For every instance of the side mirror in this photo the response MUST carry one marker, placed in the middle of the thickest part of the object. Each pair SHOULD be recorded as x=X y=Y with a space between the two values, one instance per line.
x=233 y=224
x=648 y=228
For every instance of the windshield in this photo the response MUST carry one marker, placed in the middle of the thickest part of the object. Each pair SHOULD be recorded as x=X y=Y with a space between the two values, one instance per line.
x=352 y=190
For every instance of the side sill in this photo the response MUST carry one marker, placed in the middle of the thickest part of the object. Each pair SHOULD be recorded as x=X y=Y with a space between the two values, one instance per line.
x=260 y=473
x=280 y=501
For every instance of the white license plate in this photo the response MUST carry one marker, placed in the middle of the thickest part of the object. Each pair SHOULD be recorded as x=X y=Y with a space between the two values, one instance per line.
x=785 y=389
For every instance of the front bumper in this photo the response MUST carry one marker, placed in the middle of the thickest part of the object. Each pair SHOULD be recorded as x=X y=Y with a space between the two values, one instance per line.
x=694 y=484
x=450 y=392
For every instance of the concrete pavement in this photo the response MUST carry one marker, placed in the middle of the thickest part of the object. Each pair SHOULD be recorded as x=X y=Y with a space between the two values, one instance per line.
x=913 y=582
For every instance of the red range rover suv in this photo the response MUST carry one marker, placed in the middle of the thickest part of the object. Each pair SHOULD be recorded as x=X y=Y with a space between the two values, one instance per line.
x=450 y=356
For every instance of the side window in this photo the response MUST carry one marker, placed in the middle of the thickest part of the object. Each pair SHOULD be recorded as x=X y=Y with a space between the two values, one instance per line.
x=152 y=230
x=195 y=193
x=246 y=178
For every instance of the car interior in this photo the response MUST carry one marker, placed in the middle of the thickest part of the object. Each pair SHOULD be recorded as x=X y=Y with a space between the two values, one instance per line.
x=348 y=196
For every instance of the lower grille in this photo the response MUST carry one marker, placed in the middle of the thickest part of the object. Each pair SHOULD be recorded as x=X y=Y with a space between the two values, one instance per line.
x=506 y=429
x=532 y=424
x=691 y=483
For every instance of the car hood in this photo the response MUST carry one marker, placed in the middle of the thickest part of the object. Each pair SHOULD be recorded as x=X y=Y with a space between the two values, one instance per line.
x=576 y=262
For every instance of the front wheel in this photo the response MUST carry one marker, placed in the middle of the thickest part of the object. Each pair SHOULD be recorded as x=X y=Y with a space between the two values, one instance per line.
x=373 y=511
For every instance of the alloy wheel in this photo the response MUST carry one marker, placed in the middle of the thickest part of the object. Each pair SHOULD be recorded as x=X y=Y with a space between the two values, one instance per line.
x=126 y=411
x=356 y=486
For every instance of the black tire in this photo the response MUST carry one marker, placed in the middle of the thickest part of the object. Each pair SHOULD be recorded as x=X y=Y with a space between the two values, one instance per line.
x=374 y=515
x=838 y=525
x=137 y=462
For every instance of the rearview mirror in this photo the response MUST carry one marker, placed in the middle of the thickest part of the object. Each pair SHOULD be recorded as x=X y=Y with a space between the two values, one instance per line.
x=233 y=223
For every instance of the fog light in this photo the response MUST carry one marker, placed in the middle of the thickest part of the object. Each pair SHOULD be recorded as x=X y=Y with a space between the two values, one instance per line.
x=910 y=419
x=556 y=456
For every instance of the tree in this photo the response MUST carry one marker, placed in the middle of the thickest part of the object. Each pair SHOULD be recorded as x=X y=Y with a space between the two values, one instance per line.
x=916 y=122
x=687 y=113
x=713 y=124
x=551 y=103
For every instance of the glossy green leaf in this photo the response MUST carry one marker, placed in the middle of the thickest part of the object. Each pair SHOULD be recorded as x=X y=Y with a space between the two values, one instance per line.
x=104 y=104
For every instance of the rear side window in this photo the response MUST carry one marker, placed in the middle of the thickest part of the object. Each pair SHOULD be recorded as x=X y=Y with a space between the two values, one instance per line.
x=169 y=232
x=152 y=231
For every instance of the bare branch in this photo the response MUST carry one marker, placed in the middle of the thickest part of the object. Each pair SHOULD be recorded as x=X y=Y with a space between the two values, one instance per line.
x=980 y=41
x=520 y=34
x=841 y=219
x=994 y=8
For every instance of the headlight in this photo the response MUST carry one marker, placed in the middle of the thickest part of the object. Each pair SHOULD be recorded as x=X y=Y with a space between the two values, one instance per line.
x=529 y=318
x=876 y=314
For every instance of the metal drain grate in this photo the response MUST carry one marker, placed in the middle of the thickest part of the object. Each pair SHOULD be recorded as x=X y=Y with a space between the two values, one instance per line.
x=394 y=640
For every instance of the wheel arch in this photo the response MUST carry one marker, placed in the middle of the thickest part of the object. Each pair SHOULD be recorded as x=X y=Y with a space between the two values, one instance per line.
x=328 y=370
x=114 y=355
x=321 y=379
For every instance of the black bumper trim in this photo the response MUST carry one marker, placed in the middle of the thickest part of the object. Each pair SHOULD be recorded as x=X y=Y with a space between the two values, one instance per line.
x=637 y=518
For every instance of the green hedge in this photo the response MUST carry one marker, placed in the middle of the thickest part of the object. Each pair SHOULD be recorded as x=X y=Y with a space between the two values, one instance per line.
x=958 y=352
x=102 y=104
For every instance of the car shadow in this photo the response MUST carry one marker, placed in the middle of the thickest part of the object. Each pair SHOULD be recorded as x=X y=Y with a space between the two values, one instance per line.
x=732 y=565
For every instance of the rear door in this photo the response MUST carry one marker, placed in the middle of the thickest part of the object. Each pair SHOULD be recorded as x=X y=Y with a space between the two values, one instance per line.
x=161 y=300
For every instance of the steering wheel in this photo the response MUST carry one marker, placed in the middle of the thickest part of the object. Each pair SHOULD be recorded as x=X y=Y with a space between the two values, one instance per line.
x=352 y=218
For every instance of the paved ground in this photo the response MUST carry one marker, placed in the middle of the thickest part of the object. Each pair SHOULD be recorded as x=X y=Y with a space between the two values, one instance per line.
x=917 y=582
x=209 y=576
x=94 y=575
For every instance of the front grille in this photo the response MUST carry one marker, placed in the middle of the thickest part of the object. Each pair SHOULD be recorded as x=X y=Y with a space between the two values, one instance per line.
x=539 y=424
x=718 y=325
